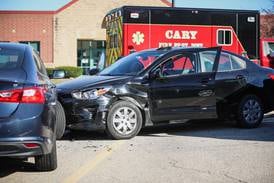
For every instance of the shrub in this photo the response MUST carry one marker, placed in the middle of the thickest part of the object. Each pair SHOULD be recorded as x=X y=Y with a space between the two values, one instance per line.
x=71 y=71
x=49 y=71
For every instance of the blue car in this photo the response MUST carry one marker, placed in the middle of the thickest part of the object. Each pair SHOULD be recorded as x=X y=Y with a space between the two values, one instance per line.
x=27 y=107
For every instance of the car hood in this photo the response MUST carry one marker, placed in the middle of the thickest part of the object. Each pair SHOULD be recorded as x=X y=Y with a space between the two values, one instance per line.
x=83 y=82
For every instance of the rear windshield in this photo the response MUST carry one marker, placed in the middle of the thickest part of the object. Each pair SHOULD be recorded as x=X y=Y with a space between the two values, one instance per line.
x=10 y=58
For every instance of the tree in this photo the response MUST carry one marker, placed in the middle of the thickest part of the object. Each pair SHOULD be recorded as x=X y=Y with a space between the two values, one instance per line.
x=267 y=25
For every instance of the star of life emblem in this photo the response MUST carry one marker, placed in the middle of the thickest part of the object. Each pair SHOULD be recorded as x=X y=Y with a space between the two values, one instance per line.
x=138 y=38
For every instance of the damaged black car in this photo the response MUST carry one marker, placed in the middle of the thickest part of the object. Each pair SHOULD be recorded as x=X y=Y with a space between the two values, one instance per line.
x=163 y=85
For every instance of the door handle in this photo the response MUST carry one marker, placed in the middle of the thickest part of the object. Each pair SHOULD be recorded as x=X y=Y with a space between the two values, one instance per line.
x=205 y=80
x=240 y=77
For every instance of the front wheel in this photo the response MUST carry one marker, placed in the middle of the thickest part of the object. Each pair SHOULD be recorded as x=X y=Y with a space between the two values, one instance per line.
x=250 y=112
x=124 y=121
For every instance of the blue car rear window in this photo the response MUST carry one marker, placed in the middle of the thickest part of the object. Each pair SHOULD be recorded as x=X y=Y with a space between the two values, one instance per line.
x=10 y=58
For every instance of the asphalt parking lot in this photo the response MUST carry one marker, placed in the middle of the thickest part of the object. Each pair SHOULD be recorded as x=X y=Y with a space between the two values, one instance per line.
x=197 y=151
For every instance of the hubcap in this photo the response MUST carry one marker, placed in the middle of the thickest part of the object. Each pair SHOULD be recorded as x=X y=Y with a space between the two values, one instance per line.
x=124 y=120
x=252 y=111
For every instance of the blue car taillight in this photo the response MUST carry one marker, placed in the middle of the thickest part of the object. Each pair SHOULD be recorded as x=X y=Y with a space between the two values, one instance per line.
x=24 y=95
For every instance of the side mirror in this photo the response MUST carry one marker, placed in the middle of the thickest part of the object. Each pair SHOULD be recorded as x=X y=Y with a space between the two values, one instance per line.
x=93 y=71
x=155 y=74
x=271 y=55
x=58 y=74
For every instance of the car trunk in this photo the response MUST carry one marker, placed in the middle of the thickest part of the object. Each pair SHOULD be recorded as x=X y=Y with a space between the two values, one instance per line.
x=10 y=81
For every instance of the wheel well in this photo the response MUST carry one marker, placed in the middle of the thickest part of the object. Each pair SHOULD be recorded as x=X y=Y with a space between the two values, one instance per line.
x=259 y=94
x=225 y=112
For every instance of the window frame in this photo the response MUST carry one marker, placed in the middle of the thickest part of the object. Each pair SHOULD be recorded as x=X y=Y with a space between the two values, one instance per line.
x=224 y=44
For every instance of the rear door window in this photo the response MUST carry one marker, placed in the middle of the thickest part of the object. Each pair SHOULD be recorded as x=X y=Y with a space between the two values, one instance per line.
x=230 y=62
x=224 y=63
x=10 y=59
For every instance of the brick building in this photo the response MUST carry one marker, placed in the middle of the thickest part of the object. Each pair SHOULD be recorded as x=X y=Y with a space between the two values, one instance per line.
x=35 y=28
x=64 y=36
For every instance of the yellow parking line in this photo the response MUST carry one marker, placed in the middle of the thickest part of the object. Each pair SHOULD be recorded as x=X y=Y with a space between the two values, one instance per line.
x=89 y=166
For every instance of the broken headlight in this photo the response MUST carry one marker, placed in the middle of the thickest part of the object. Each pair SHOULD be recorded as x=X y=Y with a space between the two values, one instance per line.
x=90 y=94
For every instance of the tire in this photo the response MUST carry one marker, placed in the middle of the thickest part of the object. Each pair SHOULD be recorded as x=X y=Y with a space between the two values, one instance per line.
x=250 y=112
x=121 y=125
x=60 y=120
x=47 y=162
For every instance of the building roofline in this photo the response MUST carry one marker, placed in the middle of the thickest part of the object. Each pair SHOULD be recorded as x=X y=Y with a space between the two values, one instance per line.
x=167 y=2
x=65 y=6
x=37 y=11
x=25 y=12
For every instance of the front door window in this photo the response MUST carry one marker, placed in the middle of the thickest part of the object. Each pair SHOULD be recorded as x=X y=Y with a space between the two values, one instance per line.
x=179 y=64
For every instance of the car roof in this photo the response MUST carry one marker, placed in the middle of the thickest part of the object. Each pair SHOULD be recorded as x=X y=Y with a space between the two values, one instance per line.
x=15 y=46
x=171 y=49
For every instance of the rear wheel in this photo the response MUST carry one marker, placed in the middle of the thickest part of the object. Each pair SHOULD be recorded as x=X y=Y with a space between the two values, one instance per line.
x=124 y=120
x=250 y=112
x=47 y=162
x=60 y=120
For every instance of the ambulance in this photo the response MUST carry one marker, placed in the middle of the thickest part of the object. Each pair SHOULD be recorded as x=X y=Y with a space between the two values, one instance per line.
x=135 y=28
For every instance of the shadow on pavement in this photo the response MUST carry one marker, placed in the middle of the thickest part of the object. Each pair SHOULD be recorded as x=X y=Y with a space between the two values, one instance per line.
x=196 y=128
x=214 y=129
x=11 y=165
x=73 y=135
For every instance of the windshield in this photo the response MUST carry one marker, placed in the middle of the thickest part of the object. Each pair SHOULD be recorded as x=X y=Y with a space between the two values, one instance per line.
x=271 y=47
x=131 y=64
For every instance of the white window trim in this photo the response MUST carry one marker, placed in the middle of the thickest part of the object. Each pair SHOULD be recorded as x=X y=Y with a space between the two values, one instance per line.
x=224 y=37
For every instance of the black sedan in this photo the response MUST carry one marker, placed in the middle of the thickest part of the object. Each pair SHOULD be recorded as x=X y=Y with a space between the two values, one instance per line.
x=165 y=85
x=27 y=107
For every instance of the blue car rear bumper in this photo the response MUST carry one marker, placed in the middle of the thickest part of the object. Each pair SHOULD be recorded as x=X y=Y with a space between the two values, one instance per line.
x=30 y=131
x=17 y=147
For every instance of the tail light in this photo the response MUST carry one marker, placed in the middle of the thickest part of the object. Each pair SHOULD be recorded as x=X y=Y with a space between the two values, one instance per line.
x=271 y=76
x=24 y=95
x=31 y=145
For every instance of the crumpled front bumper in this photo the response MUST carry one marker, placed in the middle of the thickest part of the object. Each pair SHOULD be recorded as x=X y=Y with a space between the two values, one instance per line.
x=86 y=114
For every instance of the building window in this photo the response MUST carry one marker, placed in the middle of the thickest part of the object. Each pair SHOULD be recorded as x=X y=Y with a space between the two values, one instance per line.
x=35 y=44
x=224 y=37
x=90 y=53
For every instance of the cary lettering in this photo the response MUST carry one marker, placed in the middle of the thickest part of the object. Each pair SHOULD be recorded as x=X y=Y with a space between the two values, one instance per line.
x=180 y=34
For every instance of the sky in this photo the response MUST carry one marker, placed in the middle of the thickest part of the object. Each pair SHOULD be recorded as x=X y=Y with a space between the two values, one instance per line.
x=227 y=4
x=223 y=4
x=32 y=4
